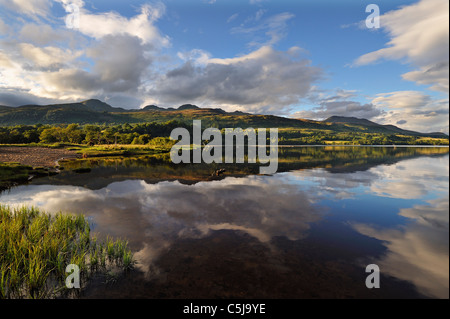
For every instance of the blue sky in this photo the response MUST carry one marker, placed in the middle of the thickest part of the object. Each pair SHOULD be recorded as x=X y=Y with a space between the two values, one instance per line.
x=308 y=59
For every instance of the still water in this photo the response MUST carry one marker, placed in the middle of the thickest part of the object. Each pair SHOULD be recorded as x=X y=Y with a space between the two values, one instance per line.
x=308 y=231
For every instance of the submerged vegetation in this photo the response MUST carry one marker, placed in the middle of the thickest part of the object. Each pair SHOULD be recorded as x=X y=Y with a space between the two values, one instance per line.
x=36 y=248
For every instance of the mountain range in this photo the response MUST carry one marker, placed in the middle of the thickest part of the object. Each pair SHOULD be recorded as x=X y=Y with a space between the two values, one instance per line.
x=97 y=112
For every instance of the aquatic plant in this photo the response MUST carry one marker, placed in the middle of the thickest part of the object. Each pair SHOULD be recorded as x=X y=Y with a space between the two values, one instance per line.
x=36 y=247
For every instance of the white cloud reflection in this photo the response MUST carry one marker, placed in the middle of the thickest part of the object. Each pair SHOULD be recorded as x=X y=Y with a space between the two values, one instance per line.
x=418 y=252
x=408 y=179
x=153 y=216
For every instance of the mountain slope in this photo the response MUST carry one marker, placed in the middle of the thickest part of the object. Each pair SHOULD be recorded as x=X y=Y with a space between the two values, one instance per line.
x=90 y=111
x=372 y=127
x=99 y=106
x=350 y=120
x=98 y=112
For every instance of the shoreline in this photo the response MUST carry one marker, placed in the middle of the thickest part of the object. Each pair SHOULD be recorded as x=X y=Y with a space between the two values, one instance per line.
x=35 y=156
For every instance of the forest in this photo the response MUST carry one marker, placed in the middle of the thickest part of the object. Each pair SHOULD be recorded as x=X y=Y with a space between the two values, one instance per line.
x=145 y=133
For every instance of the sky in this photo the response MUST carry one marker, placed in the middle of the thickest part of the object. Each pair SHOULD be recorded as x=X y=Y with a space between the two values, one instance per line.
x=300 y=59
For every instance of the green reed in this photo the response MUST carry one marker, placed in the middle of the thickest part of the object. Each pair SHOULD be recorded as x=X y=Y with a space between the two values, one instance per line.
x=36 y=247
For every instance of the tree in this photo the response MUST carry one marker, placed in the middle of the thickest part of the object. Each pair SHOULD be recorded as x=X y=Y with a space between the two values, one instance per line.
x=141 y=140
x=31 y=136
x=73 y=134
x=48 y=135
x=92 y=134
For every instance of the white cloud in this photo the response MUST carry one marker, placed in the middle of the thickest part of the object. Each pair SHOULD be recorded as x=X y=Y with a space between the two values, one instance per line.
x=196 y=55
x=65 y=3
x=111 y=23
x=340 y=103
x=114 y=72
x=51 y=62
x=3 y=27
x=413 y=110
x=273 y=28
x=232 y=17
x=32 y=8
x=120 y=70
x=410 y=110
x=435 y=75
x=259 y=14
x=418 y=33
x=402 y=100
x=46 y=58
x=339 y=108
x=42 y=34
x=264 y=80
x=5 y=61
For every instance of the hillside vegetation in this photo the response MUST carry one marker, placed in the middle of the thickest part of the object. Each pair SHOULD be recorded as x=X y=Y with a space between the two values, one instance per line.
x=96 y=122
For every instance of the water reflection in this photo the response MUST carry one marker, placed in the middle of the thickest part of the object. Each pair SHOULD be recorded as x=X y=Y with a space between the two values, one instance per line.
x=154 y=215
x=153 y=169
x=417 y=251
x=408 y=179
x=394 y=215
x=418 y=248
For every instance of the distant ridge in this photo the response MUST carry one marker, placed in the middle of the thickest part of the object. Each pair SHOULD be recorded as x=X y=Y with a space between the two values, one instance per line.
x=98 y=106
x=387 y=129
x=188 y=107
x=153 y=108
x=94 y=111
x=181 y=108
x=350 y=120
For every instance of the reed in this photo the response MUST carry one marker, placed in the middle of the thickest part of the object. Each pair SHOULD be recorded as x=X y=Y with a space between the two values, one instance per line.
x=36 y=247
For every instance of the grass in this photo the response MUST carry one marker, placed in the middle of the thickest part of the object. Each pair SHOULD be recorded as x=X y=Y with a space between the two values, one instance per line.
x=36 y=247
x=156 y=146
x=12 y=174
x=13 y=171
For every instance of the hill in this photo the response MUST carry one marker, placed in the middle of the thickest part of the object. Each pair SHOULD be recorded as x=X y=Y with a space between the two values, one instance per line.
x=378 y=128
x=97 y=112
x=84 y=112
x=99 y=106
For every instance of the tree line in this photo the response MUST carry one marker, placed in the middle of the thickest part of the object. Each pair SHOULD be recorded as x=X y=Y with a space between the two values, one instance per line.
x=145 y=133
x=88 y=134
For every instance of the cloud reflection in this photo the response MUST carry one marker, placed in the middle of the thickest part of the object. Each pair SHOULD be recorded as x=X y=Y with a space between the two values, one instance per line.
x=418 y=252
x=412 y=179
x=153 y=216
x=408 y=179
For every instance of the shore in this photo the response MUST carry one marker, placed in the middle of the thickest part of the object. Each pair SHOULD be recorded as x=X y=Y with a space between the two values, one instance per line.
x=35 y=156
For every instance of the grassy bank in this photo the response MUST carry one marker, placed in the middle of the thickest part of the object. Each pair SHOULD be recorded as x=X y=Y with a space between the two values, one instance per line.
x=122 y=150
x=16 y=170
x=35 y=249
x=12 y=174
x=155 y=146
